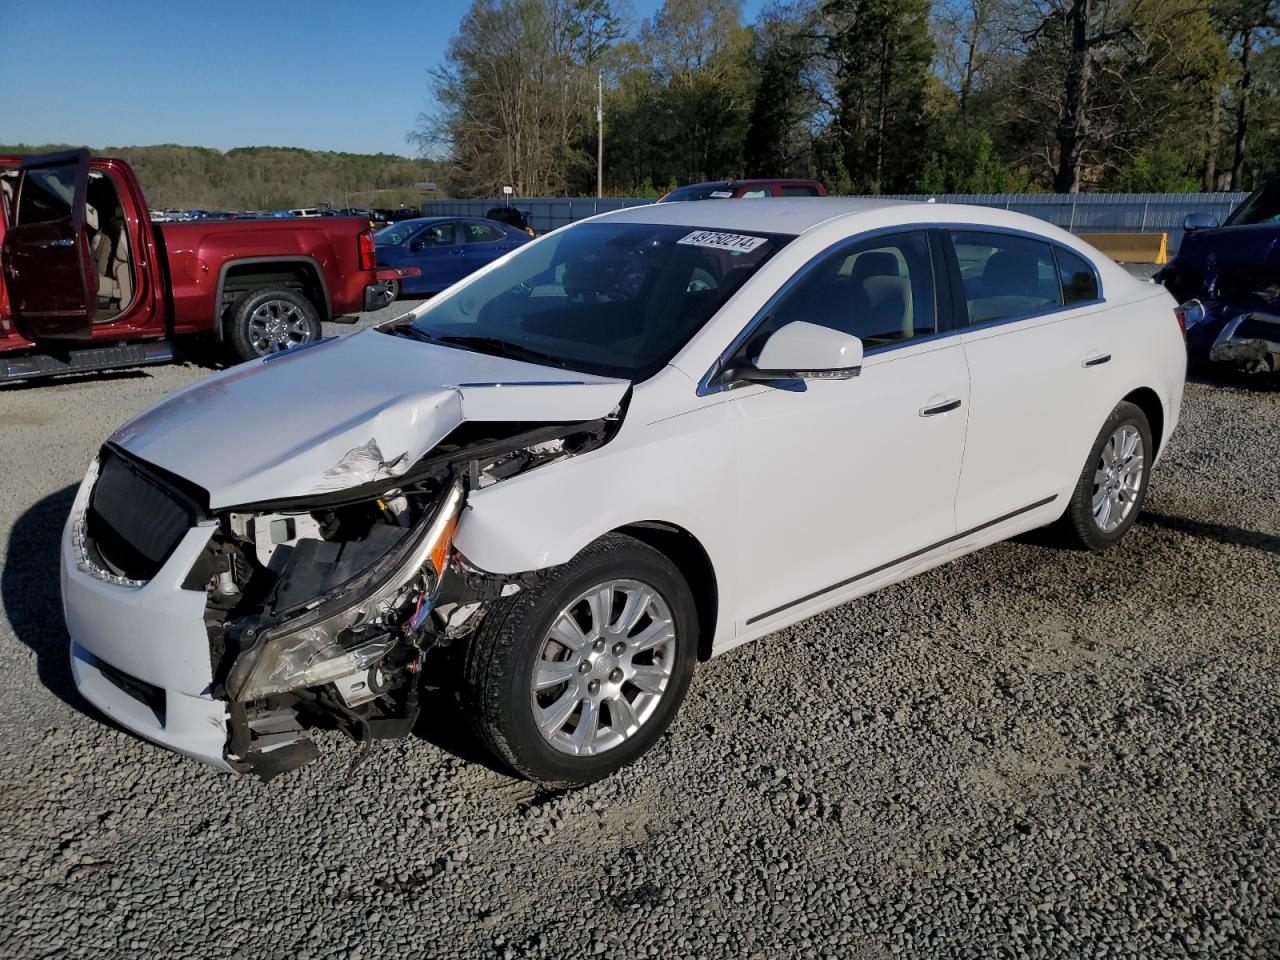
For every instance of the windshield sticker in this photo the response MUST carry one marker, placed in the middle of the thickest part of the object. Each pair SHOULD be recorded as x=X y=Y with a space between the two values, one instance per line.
x=734 y=242
x=722 y=194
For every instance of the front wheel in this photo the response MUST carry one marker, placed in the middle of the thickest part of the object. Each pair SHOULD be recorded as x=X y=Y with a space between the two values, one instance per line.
x=1113 y=484
x=578 y=675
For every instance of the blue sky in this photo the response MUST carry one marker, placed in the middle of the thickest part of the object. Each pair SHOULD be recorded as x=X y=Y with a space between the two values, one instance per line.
x=323 y=74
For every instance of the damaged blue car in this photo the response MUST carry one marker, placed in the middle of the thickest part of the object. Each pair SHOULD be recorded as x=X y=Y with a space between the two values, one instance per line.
x=1227 y=279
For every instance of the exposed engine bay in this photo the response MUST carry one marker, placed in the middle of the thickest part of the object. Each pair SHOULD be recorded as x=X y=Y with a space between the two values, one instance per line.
x=320 y=614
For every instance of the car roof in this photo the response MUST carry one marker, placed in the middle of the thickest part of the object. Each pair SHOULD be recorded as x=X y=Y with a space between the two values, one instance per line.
x=793 y=215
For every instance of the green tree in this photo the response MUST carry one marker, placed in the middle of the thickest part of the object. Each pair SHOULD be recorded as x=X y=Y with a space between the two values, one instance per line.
x=877 y=55
x=778 y=139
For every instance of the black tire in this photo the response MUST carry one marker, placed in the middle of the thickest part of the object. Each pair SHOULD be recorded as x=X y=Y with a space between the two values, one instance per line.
x=503 y=653
x=240 y=315
x=1078 y=526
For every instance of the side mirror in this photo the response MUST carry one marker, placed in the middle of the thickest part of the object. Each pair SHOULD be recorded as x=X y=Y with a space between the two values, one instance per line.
x=1199 y=221
x=803 y=351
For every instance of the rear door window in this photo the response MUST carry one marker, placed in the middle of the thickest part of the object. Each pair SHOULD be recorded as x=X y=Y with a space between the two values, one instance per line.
x=795 y=191
x=1005 y=276
x=481 y=233
x=1079 y=281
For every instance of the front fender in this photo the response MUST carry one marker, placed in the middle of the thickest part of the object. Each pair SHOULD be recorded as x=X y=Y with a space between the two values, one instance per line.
x=673 y=471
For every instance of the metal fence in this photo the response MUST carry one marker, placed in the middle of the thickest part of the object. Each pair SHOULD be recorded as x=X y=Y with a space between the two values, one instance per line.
x=1079 y=213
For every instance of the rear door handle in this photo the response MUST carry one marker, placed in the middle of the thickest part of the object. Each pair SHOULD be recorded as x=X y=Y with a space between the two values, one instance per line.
x=1097 y=361
x=945 y=407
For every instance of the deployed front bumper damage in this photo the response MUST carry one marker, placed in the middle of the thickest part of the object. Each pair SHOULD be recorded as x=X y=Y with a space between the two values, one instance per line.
x=1250 y=341
x=268 y=621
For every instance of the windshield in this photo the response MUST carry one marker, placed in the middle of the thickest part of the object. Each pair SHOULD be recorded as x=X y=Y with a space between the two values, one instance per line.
x=1262 y=207
x=612 y=299
x=700 y=191
x=397 y=232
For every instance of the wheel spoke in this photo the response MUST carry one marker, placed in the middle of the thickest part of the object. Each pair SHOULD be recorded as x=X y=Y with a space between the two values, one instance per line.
x=622 y=719
x=600 y=603
x=637 y=602
x=584 y=736
x=566 y=632
x=1103 y=513
x=553 y=717
x=649 y=679
x=655 y=633
x=551 y=673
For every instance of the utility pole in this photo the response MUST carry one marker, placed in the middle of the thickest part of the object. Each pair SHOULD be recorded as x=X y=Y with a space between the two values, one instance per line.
x=599 y=135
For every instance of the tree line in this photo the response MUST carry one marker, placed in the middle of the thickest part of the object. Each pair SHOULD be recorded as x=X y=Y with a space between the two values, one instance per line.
x=264 y=178
x=871 y=96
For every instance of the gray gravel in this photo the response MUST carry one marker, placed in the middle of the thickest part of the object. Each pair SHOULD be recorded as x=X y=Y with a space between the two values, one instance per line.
x=1028 y=752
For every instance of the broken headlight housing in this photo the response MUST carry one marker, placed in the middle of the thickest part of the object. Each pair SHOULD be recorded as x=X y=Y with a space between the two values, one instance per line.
x=351 y=631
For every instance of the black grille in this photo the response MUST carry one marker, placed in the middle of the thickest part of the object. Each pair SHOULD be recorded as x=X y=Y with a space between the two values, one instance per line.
x=135 y=517
x=149 y=695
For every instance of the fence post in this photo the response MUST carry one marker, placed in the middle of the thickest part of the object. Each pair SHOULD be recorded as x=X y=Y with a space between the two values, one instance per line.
x=1143 y=228
x=1071 y=227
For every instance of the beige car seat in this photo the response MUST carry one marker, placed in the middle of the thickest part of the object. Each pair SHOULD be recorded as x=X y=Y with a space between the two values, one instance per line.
x=888 y=293
x=121 y=272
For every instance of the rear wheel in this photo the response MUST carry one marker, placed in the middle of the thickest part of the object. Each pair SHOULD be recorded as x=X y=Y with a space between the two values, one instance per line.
x=1113 y=484
x=269 y=320
x=578 y=675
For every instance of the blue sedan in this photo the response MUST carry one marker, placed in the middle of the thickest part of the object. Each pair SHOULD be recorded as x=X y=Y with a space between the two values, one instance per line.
x=446 y=249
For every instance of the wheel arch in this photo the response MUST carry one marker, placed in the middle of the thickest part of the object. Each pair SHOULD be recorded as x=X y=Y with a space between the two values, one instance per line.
x=303 y=271
x=1148 y=401
x=694 y=563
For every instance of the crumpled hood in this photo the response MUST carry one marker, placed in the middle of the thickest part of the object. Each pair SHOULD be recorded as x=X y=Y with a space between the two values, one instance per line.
x=343 y=412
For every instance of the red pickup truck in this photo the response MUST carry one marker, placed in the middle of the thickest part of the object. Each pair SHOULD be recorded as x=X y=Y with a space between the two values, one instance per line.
x=88 y=282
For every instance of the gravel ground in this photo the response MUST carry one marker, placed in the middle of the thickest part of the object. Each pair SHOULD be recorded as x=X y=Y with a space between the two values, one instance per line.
x=1028 y=752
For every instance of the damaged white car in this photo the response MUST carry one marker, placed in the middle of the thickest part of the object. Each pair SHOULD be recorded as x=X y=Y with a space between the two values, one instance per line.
x=630 y=445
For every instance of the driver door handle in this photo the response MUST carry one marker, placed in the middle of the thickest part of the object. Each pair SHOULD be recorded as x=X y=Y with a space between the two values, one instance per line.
x=1096 y=361
x=945 y=407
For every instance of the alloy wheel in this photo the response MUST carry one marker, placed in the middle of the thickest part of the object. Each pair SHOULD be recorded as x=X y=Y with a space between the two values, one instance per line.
x=277 y=325
x=603 y=667
x=1117 y=478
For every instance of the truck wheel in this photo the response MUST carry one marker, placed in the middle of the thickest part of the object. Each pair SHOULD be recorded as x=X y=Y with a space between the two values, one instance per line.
x=579 y=674
x=268 y=320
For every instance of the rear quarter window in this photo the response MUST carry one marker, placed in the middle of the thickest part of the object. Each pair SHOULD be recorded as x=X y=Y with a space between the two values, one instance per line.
x=794 y=191
x=1079 y=279
x=1005 y=276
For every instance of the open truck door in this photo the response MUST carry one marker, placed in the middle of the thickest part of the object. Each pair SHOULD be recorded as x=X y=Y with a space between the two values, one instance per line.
x=48 y=267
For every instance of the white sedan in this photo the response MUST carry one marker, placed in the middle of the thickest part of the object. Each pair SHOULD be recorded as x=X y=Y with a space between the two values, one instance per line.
x=626 y=447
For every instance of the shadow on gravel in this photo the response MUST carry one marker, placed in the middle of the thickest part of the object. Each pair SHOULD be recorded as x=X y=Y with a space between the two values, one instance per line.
x=1232 y=536
x=1213 y=375
x=30 y=590
x=441 y=720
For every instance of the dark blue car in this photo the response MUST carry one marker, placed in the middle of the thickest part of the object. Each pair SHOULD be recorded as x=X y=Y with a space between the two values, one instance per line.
x=446 y=249
x=1228 y=281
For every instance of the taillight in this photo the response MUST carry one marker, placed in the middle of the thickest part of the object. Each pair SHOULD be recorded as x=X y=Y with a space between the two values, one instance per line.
x=1182 y=321
x=368 y=251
